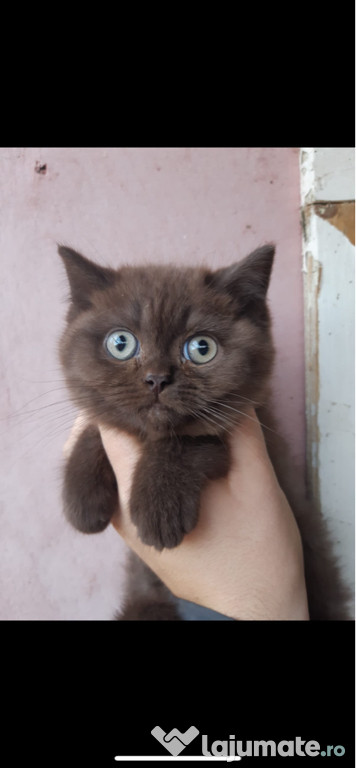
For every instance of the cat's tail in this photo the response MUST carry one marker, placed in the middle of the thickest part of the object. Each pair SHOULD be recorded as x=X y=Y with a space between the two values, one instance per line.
x=142 y=610
x=328 y=596
x=147 y=598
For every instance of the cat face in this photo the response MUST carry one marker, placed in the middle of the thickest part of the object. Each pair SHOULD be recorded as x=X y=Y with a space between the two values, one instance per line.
x=159 y=349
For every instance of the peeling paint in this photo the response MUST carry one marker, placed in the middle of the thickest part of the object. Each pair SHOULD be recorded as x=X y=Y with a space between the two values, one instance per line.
x=340 y=215
x=312 y=283
x=328 y=228
x=309 y=197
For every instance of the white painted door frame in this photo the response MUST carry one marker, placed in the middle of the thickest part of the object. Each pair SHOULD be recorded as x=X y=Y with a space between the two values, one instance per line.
x=328 y=216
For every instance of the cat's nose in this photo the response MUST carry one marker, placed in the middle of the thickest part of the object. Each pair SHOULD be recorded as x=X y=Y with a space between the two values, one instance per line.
x=157 y=381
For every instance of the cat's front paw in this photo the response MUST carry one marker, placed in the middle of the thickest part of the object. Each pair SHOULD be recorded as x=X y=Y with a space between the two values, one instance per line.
x=90 y=494
x=87 y=509
x=162 y=514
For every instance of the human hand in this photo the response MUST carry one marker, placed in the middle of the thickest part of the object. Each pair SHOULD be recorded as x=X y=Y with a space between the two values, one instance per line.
x=244 y=558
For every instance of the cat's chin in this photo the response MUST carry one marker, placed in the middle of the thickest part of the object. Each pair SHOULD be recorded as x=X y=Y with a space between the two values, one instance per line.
x=160 y=418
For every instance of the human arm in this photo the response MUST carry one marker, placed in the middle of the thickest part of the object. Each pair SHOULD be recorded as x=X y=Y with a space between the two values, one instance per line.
x=244 y=557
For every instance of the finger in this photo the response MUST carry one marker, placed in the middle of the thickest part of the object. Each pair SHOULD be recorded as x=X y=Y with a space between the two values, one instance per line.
x=123 y=452
x=81 y=422
x=248 y=439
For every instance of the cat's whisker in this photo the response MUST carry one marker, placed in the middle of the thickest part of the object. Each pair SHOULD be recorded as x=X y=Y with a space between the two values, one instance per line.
x=202 y=414
x=66 y=404
x=40 y=422
x=198 y=414
x=65 y=418
x=227 y=416
x=39 y=411
x=216 y=413
x=39 y=426
x=242 y=397
x=19 y=412
x=43 y=381
x=257 y=421
x=64 y=429
x=222 y=422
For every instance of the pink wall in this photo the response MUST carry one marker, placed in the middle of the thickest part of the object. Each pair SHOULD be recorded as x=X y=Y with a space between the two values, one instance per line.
x=185 y=205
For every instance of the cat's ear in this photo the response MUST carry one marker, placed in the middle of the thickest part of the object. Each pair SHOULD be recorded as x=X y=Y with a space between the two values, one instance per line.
x=84 y=276
x=248 y=280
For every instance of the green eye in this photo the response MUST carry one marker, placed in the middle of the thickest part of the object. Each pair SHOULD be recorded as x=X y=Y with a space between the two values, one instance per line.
x=200 y=349
x=122 y=345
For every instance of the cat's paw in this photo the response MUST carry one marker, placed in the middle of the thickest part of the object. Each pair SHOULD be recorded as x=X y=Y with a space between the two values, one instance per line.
x=167 y=484
x=87 y=510
x=163 y=516
x=90 y=495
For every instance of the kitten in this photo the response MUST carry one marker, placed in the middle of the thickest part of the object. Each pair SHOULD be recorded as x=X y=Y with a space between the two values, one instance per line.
x=172 y=356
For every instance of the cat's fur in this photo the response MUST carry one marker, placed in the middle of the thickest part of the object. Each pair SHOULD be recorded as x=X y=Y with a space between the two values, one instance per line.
x=182 y=428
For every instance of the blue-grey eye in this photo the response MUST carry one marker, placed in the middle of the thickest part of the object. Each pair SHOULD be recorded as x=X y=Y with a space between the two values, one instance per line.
x=200 y=349
x=122 y=344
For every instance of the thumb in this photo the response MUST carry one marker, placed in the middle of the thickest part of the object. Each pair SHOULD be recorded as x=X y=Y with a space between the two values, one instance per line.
x=123 y=452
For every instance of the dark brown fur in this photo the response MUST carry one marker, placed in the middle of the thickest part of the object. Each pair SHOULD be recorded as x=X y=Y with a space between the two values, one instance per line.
x=183 y=428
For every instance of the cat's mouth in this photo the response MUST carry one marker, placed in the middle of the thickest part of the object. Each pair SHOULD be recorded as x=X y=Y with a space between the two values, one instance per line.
x=160 y=416
x=158 y=410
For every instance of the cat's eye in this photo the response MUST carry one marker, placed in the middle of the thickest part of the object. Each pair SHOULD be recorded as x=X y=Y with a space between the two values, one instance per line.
x=122 y=344
x=200 y=349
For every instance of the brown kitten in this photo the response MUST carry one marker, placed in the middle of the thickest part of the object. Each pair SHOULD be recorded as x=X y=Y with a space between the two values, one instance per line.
x=171 y=355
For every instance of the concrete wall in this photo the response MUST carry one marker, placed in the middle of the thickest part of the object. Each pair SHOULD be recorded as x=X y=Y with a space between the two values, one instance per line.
x=186 y=205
